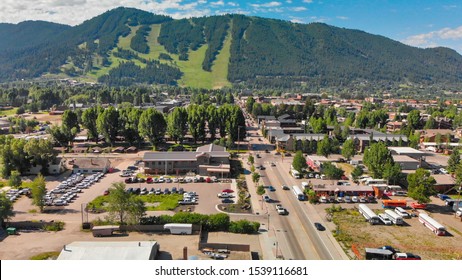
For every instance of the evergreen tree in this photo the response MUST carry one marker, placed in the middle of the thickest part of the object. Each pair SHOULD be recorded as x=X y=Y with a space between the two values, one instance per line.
x=453 y=161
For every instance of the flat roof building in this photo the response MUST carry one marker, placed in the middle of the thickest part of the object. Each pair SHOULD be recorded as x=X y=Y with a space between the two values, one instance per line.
x=125 y=250
x=208 y=160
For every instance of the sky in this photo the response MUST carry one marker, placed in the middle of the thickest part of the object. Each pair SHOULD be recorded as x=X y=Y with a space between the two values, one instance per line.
x=420 y=23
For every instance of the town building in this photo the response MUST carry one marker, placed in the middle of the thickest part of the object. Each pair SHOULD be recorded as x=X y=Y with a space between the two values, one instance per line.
x=90 y=165
x=124 y=250
x=208 y=160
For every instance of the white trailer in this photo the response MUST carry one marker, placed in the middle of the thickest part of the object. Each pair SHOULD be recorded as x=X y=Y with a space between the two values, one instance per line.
x=370 y=216
x=179 y=228
x=99 y=231
x=429 y=222
x=394 y=217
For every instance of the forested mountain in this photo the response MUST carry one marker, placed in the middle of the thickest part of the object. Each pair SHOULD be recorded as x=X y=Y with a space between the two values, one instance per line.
x=28 y=34
x=126 y=46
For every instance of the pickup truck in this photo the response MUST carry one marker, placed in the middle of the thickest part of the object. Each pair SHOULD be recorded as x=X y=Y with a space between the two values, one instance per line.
x=225 y=195
x=281 y=210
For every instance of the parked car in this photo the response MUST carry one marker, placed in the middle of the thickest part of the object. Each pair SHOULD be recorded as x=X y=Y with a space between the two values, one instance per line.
x=227 y=191
x=284 y=187
x=106 y=192
x=144 y=191
x=180 y=190
x=354 y=199
x=158 y=191
x=416 y=205
x=319 y=226
x=174 y=190
x=227 y=200
x=271 y=188
x=266 y=198
x=273 y=164
x=347 y=199
x=208 y=180
x=149 y=180
x=166 y=191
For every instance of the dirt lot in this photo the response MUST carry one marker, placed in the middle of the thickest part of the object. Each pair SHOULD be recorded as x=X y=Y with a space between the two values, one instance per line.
x=30 y=243
x=413 y=237
x=44 y=117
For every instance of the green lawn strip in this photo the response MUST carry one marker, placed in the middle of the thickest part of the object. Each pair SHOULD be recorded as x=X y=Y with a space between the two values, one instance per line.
x=46 y=256
x=166 y=202
x=220 y=65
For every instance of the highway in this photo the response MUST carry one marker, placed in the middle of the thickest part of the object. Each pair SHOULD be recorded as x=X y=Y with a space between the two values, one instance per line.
x=296 y=236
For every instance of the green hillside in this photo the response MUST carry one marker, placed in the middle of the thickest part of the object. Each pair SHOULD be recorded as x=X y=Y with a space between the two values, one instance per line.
x=127 y=46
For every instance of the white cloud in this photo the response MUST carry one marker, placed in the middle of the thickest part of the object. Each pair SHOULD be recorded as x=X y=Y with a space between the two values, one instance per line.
x=449 y=37
x=267 y=5
x=218 y=3
x=298 y=9
x=76 y=11
x=343 y=17
x=233 y=4
x=308 y=1
x=289 y=1
x=423 y=40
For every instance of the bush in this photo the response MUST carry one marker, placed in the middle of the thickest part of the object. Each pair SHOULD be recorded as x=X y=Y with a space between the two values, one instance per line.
x=260 y=190
x=244 y=226
x=55 y=226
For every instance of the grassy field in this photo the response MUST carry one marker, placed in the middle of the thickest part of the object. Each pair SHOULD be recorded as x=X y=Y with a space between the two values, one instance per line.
x=354 y=232
x=9 y=112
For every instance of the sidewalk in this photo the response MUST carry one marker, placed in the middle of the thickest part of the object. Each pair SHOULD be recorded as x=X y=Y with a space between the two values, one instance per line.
x=266 y=240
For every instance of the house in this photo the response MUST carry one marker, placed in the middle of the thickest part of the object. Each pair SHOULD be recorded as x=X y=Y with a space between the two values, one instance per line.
x=431 y=135
x=444 y=182
x=208 y=160
x=117 y=250
x=90 y=165
x=287 y=142
x=394 y=126
x=54 y=168
x=315 y=162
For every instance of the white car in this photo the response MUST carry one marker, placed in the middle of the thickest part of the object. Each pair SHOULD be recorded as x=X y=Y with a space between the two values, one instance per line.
x=347 y=199
x=354 y=199
x=323 y=199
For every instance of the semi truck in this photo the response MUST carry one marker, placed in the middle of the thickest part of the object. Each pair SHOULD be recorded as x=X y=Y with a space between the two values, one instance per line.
x=179 y=228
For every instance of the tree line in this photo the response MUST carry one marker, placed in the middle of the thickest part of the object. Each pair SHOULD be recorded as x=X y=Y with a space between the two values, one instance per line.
x=134 y=124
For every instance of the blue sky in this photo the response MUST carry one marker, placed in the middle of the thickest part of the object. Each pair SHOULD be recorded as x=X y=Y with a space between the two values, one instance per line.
x=421 y=23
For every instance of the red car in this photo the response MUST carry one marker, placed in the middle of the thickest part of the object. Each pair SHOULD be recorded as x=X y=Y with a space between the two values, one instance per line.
x=227 y=191
x=106 y=192
x=208 y=180
x=149 y=180
x=416 y=205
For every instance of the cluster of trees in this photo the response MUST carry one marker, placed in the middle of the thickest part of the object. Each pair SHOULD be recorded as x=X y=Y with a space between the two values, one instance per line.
x=213 y=222
x=135 y=124
x=21 y=154
x=128 y=73
x=380 y=163
x=139 y=42
x=22 y=125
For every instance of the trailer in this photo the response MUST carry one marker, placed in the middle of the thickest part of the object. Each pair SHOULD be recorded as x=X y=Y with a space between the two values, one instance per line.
x=100 y=231
x=394 y=217
x=179 y=228
x=370 y=216
x=429 y=222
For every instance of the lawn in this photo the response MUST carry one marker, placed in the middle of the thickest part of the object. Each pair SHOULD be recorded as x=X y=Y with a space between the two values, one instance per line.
x=348 y=168
x=9 y=112
x=153 y=202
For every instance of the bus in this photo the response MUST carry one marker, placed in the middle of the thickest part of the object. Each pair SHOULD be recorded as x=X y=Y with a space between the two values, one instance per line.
x=372 y=181
x=370 y=216
x=429 y=222
x=295 y=174
x=378 y=254
x=393 y=203
x=403 y=213
x=395 y=218
x=298 y=193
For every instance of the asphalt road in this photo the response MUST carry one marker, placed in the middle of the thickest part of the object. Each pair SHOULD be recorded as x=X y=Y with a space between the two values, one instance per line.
x=295 y=233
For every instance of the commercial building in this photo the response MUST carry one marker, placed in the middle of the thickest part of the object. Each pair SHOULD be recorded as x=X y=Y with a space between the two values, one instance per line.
x=90 y=165
x=208 y=160
x=127 y=250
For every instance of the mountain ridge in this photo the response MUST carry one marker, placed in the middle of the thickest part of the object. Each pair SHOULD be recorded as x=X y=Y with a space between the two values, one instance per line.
x=262 y=52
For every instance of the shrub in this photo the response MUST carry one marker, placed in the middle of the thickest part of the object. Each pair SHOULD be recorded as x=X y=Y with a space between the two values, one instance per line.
x=55 y=226
x=244 y=226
